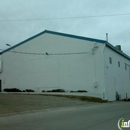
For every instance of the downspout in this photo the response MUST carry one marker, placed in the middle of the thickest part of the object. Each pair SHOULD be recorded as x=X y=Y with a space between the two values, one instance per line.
x=104 y=69
x=95 y=72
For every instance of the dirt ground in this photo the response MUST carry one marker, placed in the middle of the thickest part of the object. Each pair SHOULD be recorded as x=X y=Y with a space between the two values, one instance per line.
x=14 y=103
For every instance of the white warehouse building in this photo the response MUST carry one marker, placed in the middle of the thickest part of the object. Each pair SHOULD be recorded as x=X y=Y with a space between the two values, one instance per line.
x=53 y=60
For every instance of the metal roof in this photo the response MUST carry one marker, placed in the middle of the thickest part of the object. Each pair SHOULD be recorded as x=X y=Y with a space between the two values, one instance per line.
x=70 y=36
x=116 y=50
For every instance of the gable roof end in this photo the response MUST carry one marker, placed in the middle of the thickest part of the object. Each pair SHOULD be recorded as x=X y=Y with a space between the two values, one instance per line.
x=70 y=36
x=54 y=33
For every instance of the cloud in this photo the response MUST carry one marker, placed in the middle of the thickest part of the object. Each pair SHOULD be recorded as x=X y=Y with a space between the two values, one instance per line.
x=15 y=31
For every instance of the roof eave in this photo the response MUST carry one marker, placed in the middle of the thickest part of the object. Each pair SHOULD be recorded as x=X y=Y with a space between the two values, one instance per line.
x=116 y=50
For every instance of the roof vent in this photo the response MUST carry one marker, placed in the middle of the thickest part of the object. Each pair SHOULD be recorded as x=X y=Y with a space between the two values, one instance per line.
x=118 y=47
x=107 y=37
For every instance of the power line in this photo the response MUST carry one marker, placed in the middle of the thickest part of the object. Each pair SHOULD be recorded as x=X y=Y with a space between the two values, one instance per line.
x=63 y=18
x=31 y=53
x=27 y=53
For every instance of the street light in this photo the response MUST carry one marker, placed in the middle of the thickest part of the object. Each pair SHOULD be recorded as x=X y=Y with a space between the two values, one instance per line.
x=8 y=44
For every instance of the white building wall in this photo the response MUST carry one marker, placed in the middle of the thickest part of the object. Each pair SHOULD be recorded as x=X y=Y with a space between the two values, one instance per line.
x=65 y=67
x=117 y=78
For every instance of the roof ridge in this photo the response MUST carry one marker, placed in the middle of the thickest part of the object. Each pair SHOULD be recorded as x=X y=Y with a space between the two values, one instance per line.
x=75 y=36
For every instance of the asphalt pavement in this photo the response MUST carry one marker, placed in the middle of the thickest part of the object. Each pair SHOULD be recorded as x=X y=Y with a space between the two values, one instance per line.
x=96 y=117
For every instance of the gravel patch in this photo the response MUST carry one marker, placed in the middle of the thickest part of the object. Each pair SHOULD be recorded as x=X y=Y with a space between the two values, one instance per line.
x=14 y=103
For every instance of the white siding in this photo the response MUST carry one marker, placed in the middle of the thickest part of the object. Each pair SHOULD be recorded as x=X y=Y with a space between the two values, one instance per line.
x=0 y=64
x=117 y=78
x=63 y=69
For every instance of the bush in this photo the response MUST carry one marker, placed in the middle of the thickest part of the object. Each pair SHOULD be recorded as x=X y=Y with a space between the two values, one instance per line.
x=12 y=90
x=126 y=99
x=79 y=91
x=49 y=90
x=82 y=91
x=54 y=90
x=29 y=90
x=58 y=90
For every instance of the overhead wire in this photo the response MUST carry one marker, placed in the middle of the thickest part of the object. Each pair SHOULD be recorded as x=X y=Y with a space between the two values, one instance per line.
x=78 y=17
x=46 y=53
x=60 y=18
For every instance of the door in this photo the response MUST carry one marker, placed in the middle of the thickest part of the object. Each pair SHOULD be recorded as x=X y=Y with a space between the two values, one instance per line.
x=0 y=86
x=111 y=89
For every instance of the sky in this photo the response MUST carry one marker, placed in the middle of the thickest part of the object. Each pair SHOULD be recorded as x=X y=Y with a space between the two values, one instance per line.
x=21 y=19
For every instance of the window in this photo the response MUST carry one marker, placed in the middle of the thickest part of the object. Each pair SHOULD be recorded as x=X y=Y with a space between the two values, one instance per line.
x=125 y=67
x=110 y=60
x=118 y=63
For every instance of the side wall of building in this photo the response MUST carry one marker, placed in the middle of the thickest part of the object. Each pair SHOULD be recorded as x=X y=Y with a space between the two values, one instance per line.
x=117 y=74
x=50 y=62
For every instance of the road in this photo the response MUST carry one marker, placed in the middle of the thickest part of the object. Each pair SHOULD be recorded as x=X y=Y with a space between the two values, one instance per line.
x=96 y=117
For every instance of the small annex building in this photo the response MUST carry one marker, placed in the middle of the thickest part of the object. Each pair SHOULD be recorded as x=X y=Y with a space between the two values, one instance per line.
x=53 y=60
